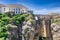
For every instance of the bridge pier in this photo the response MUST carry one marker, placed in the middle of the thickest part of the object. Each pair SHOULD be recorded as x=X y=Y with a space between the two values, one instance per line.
x=47 y=29
x=43 y=30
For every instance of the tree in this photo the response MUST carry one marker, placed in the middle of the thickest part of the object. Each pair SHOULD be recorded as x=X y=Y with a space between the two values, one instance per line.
x=18 y=21
x=19 y=18
x=4 y=20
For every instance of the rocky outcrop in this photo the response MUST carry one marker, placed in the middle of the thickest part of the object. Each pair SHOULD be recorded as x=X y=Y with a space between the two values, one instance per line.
x=55 y=31
x=13 y=34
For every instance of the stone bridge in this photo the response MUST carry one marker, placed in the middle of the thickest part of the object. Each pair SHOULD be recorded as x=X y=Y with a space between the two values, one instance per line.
x=43 y=27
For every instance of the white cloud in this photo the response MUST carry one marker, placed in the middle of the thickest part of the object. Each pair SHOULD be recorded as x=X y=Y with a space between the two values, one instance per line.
x=56 y=10
x=41 y=11
x=46 y=11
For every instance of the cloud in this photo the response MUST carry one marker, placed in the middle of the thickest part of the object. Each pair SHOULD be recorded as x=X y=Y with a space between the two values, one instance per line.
x=46 y=11
x=55 y=10
x=41 y=11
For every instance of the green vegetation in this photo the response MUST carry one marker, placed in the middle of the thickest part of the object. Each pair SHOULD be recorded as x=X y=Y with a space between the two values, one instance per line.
x=17 y=19
x=7 y=18
x=4 y=20
x=55 y=21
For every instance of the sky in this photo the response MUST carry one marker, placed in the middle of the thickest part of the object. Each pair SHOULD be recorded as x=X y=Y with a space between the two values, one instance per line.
x=38 y=6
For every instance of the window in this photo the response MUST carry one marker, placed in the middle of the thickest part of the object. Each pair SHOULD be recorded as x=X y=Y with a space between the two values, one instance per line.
x=22 y=11
x=4 y=9
x=14 y=10
x=18 y=10
x=9 y=9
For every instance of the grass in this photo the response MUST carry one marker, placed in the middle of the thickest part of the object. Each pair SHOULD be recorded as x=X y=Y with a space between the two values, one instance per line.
x=3 y=38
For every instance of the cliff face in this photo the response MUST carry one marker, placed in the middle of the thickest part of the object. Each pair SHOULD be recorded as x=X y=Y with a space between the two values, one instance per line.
x=56 y=30
x=28 y=29
x=55 y=25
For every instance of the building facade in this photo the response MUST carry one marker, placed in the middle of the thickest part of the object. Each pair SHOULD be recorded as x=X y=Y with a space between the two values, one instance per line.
x=16 y=8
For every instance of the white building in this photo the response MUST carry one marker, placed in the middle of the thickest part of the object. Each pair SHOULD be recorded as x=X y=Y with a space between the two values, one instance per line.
x=16 y=8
